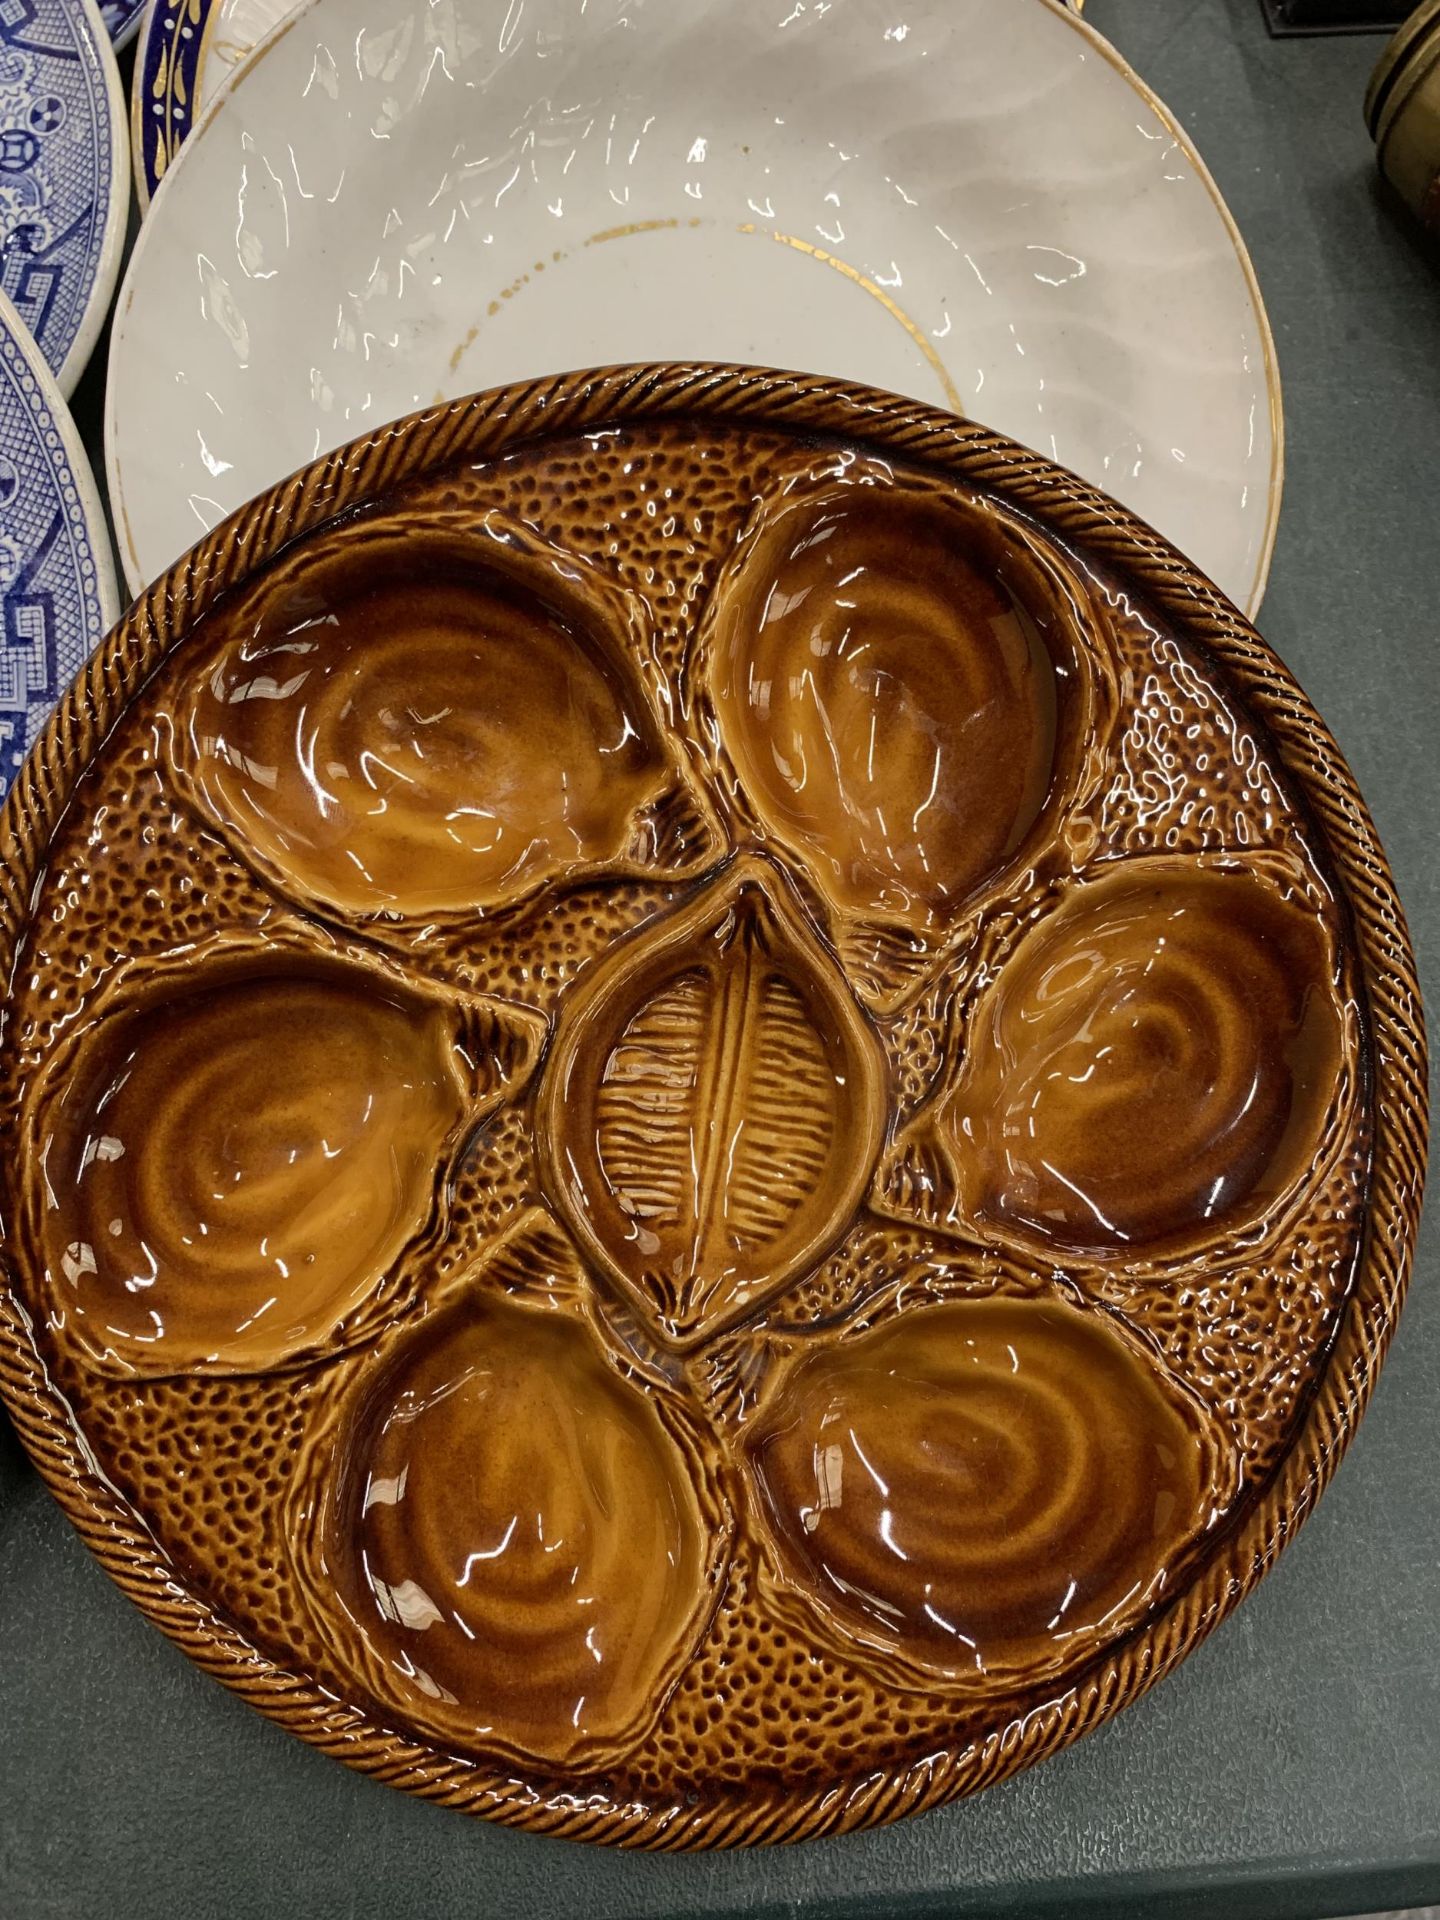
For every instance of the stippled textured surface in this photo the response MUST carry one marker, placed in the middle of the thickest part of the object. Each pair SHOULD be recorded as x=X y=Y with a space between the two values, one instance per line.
x=1288 y=1767
x=799 y=967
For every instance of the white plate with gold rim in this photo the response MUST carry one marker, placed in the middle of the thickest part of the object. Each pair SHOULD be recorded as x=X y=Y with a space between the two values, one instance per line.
x=188 y=51
x=395 y=201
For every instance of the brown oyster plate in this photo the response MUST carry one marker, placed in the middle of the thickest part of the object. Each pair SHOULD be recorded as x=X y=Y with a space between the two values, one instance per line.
x=713 y=1106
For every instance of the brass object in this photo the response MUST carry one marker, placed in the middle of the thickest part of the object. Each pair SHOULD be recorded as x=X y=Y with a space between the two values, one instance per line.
x=713 y=1106
x=1402 y=111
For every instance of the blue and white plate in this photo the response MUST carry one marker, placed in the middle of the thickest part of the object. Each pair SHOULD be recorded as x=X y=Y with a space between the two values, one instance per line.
x=64 y=177
x=122 y=20
x=57 y=576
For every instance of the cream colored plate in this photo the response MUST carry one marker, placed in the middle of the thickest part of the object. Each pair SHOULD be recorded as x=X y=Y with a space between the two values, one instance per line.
x=396 y=201
x=188 y=50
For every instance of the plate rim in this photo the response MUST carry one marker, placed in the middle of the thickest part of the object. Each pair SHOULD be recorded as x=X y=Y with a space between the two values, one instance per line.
x=1273 y=385
x=96 y=311
x=77 y=460
x=146 y=17
x=483 y=427
x=1069 y=14
x=146 y=23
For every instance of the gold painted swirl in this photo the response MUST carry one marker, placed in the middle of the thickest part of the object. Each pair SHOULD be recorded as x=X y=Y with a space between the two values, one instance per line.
x=983 y=1488
x=886 y=699
x=1155 y=1060
x=413 y=720
x=228 y=1171
x=517 y=1538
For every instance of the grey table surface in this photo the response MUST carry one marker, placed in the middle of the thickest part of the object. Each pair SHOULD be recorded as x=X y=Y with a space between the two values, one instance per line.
x=1292 y=1766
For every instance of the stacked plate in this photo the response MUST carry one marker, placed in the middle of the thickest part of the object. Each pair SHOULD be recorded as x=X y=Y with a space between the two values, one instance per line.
x=437 y=197
x=350 y=210
x=64 y=176
x=385 y=203
x=356 y=207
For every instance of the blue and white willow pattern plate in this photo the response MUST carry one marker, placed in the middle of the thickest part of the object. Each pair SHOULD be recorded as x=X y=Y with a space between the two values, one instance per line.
x=56 y=573
x=63 y=175
x=122 y=19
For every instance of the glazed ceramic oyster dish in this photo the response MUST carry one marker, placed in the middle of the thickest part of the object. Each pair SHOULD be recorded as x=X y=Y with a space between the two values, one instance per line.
x=713 y=1107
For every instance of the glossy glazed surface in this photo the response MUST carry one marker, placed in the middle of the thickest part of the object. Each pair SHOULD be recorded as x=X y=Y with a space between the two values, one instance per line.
x=518 y=1541
x=1156 y=1058
x=55 y=541
x=695 y=1201
x=66 y=177
x=396 y=201
x=713 y=1106
x=188 y=50
x=986 y=1487
x=228 y=1168
x=178 y=73
x=421 y=721
x=887 y=702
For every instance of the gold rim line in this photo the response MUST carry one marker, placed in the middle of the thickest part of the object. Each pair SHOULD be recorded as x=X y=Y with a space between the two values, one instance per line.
x=488 y=426
x=1114 y=58
x=896 y=312
x=631 y=229
x=138 y=118
x=1069 y=11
